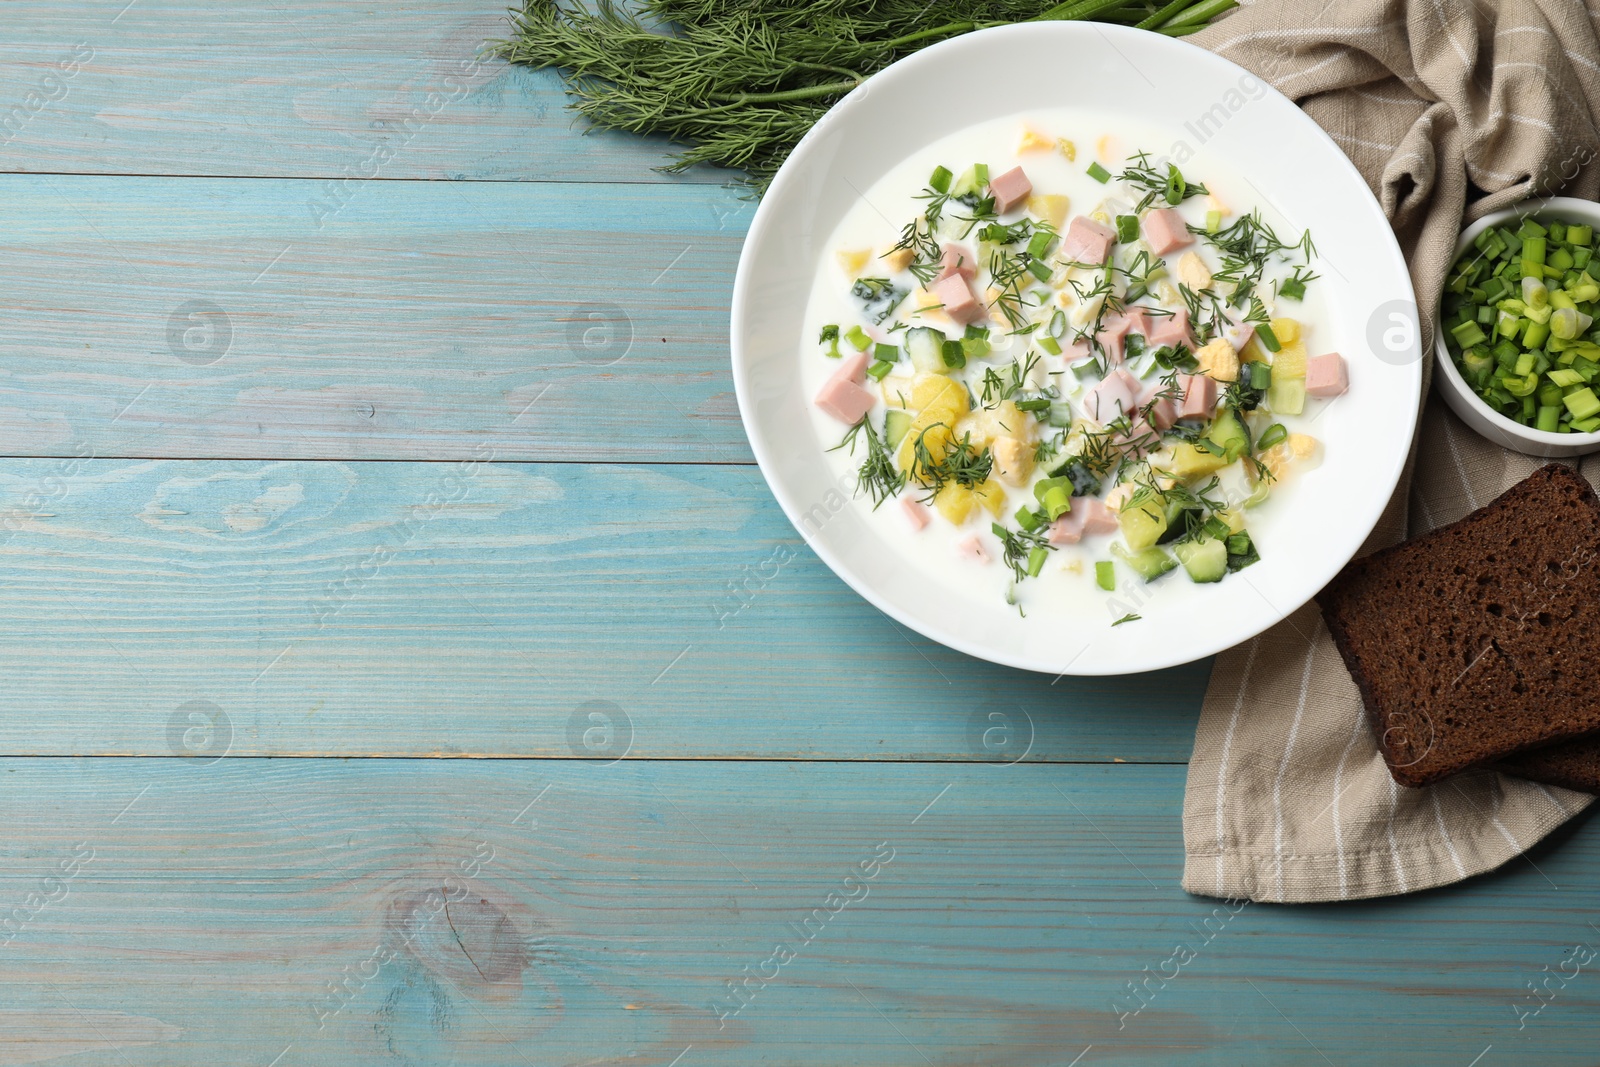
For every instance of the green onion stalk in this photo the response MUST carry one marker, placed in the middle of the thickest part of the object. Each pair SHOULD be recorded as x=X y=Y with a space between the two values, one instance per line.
x=739 y=82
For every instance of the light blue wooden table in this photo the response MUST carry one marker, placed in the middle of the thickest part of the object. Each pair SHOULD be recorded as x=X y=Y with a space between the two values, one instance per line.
x=404 y=662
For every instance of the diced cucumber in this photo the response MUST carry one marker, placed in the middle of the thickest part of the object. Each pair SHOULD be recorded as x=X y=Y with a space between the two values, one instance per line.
x=1287 y=396
x=896 y=424
x=1142 y=526
x=1226 y=430
x=1150 y=563
x=971 y=182
x=925 y=346
x=1206 y=560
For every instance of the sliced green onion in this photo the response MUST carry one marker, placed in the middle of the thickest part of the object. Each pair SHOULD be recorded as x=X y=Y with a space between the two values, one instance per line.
x=1099 y=173
x=858 y=337
x=1050 y=345
x=1105 y=575
x=1028 y=519
x=1272 y=435
x=1268 y=338
x=953 y=354
x=939 y=180
x=1036 y=557
x=879 y=370
x=1127 y=228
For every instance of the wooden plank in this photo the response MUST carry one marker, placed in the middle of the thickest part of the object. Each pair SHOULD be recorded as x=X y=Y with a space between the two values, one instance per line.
x=480 y=609
x=248 y=910
x=292 y=88
x=217 y=318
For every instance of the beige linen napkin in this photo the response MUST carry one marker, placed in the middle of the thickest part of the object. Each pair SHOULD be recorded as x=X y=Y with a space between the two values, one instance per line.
x=1288 y=798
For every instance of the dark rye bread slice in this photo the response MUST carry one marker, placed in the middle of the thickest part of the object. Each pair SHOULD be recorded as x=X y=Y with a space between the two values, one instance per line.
x=1572 y=764
x=1482 y=638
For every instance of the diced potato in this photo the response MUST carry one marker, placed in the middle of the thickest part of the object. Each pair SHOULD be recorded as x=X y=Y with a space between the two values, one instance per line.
x=1287 y=331
x=1013 y=460
x=1104 y=147
x=1034 y=141
x=992 y=495
x=853 y=260
x=1190 y=461
x=1193 y=272
x=1005 y=420
x=1219 y=360
x=935 y=435
x=897 y=259
x=1119 y=495
x=1290 y=360
x=1051 y=207
x=943 y=398
x=1068 y=150
x=954 y=502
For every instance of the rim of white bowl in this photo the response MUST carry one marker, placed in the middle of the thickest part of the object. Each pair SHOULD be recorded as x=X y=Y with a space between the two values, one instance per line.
x=1365 y=523
x=1447 y=365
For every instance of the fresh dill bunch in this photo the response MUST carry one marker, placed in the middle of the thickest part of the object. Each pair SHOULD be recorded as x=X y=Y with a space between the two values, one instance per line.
x=739 y=82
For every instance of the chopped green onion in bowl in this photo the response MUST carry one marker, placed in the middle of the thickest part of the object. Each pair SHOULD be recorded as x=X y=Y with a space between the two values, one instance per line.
x=1517 y=320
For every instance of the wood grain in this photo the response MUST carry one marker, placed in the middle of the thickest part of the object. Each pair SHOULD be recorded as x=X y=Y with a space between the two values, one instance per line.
x=597 y=914
x=474 y=609
x=217 y=318
x=301 y=88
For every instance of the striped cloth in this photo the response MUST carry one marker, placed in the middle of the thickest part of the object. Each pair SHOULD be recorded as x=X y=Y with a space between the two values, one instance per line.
x=1450 y=109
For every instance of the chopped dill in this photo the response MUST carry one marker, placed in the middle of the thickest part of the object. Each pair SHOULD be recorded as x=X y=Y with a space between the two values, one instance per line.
x=877 y=475
x=1169 y=185
x=1130 y=617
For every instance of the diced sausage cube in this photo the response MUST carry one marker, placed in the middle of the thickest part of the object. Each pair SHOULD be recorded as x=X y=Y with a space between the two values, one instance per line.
x=1326 y=375
x=957 y=260
x=1199 y=396
x=1087 y=241
x=957 y=299
x=1010 y=189
x=843 y=395
x=1165 y=230
x=1171 y=329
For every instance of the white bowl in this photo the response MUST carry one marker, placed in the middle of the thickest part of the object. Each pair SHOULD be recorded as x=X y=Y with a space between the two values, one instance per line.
x=1304 y=538
x=1459 y=395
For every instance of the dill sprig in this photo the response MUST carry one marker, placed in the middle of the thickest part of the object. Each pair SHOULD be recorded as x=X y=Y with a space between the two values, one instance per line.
x=741 y=81
x=1017 y=546
x=1169 y=185
x=877 y=475
x=1247 y=247
x=961 y=463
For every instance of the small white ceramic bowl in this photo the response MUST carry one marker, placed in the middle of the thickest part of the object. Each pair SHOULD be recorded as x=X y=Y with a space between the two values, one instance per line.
x=1459 y=395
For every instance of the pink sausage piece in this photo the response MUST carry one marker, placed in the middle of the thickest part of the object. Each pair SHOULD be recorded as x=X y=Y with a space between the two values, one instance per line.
x=1113 y=332
x=1199 y=396
x=972 y=548
x=1165 y=230
x=1163 y=412
x=1097 y=518
x=1171 y=330
x=1327 y=375
x=916 y=514
x=1110 y=398
x=843 y=395
x=957 y=260
x=1010 y=189
x=1087 y=241
x=959 y=302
